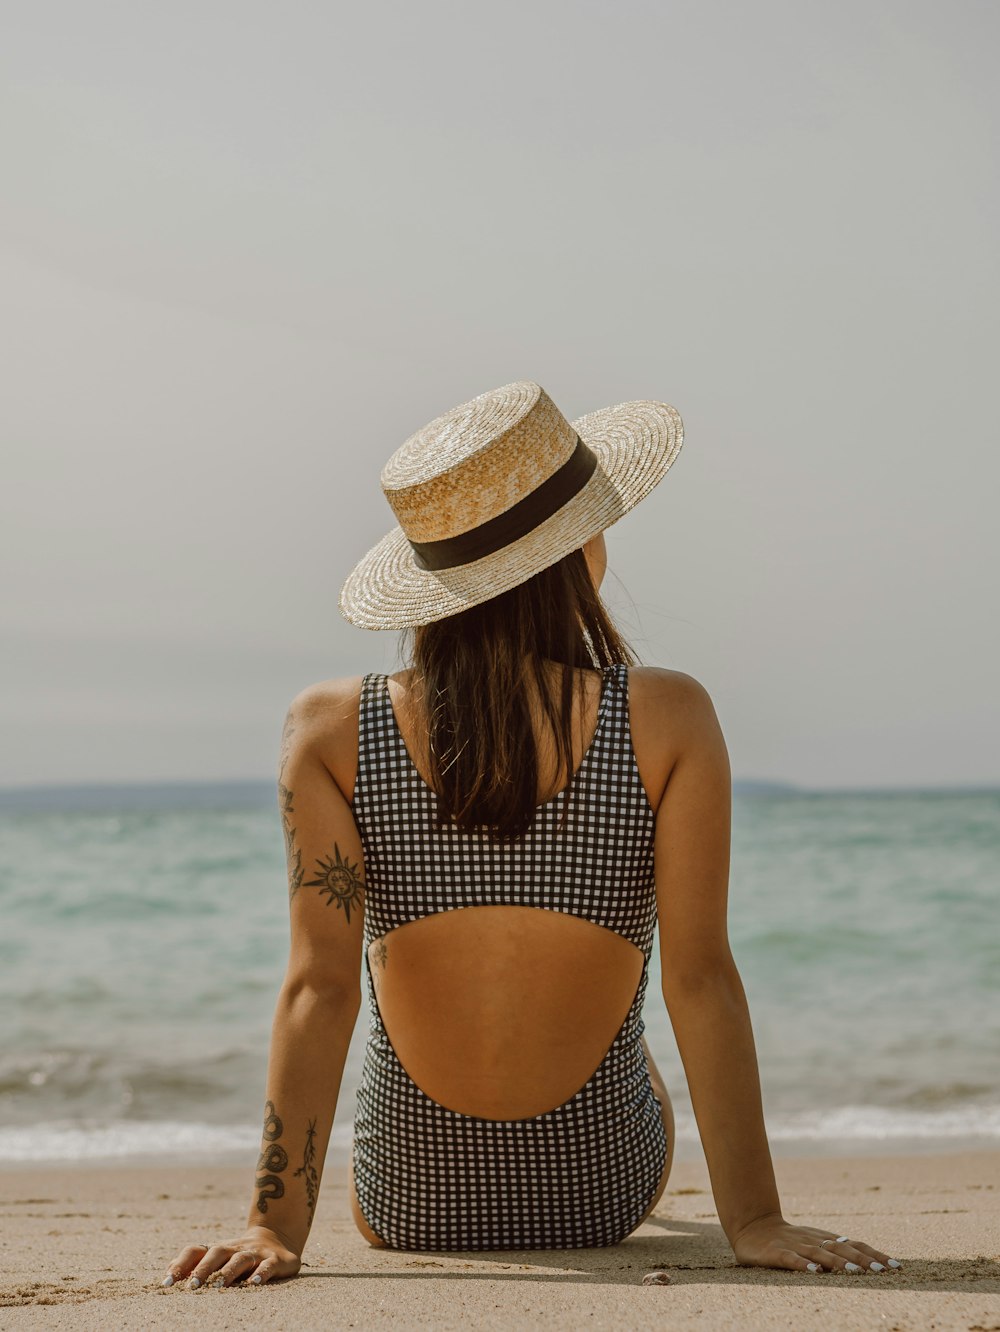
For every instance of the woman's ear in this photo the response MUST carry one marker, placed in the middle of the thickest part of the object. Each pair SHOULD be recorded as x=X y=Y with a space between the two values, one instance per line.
x=595 y=552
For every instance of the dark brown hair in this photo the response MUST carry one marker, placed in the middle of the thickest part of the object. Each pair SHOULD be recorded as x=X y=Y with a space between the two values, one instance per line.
x=478 y=670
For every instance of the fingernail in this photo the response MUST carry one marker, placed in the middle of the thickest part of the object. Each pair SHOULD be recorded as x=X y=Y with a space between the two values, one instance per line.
x=167 y=1281
x=256 y=1280
x=851 y=1267
x=877 y=1267
x=194 y=1283
x=813 y=1267
x=894 y=1262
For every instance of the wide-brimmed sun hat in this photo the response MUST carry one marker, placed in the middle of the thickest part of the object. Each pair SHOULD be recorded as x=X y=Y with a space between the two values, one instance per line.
x=497 y=489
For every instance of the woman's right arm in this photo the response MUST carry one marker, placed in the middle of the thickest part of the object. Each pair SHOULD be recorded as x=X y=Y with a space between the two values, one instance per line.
x=708 y=1007
x=316 y=1011
x=702 y=988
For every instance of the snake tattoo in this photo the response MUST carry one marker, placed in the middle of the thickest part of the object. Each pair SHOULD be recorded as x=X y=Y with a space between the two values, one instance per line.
x=272 y=1160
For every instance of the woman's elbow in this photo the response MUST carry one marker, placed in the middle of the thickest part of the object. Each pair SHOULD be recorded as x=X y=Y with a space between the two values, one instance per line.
x=684 y=978
x=340 y=995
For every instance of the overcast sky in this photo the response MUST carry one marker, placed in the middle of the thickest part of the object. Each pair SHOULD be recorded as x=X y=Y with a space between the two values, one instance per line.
x=246 y=249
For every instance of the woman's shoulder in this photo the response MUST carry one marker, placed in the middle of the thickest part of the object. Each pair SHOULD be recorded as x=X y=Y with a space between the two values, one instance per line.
x=325 y=709
x=322 y=722
x=672 y=717
x=670 y=702
x=659 y=685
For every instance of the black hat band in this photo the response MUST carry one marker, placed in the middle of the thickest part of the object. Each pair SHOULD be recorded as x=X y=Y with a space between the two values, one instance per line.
x=516 y=522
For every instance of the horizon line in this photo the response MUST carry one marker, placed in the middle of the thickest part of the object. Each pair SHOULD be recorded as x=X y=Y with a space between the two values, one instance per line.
x=747 y=784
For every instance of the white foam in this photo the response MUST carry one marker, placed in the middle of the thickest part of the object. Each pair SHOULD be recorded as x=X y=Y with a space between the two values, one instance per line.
x=180 y=1141
x=852 y=1122
x=89 y=1141
x=856 y=1123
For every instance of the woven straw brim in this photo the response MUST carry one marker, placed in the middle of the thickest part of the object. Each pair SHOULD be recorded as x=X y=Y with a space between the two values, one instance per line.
x=635 y=443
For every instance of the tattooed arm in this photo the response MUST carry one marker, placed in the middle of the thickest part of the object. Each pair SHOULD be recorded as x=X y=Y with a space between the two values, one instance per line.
x=321 y=996
x=319 y=1000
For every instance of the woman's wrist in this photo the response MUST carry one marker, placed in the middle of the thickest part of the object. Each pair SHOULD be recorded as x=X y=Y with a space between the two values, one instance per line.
x=286 y=1195
x=291 y=1236
x=773 y=1217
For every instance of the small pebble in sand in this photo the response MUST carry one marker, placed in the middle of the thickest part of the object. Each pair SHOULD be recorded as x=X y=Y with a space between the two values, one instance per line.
x=656 y=1279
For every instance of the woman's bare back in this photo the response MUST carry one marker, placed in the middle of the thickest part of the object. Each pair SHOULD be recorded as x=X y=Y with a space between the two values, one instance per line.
x=504 y=1012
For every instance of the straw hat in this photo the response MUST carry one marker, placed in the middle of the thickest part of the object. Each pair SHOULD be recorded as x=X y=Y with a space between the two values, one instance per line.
x=496 y=490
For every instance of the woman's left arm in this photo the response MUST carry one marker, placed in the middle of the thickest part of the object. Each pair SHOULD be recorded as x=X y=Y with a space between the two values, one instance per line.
x=320 y=997
x=317 y=1006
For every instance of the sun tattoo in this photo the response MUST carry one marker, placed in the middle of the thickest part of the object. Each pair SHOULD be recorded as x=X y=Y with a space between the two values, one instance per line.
x=340 y=879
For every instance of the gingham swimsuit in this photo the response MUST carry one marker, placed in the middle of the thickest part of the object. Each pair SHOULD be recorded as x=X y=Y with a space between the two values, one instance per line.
x=428 y=1177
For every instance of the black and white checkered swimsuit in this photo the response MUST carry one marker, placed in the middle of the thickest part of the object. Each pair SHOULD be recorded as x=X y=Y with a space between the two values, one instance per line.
x=428 y=1177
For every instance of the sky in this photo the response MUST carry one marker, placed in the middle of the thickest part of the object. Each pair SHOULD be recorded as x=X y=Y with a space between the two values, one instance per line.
x=247 y=249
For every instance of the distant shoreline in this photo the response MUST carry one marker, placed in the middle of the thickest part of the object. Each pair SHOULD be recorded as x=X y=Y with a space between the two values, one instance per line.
x=259 y=793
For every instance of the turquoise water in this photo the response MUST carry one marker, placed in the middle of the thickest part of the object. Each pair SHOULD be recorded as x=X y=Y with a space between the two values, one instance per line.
x=142 y=950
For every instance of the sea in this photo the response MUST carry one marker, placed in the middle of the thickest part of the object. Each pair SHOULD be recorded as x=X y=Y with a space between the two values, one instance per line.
x=145 y=932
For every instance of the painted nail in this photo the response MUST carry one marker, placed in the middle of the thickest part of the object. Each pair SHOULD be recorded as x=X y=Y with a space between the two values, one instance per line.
x=877 y=1267
x=851 y=1267
x=194 y=1283
x=256 y=1280
x=894 y=1262
x=167 y=1281
x=813 y=1267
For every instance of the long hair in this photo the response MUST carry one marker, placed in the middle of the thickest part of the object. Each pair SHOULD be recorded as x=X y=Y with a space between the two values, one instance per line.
x=478 y=670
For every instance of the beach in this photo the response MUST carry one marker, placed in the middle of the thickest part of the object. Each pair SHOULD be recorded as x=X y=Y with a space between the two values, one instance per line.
x=87 y=1248
x=133 y=1068
x=450 y=345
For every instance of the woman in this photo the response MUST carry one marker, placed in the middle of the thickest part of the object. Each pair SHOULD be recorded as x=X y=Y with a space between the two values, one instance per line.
x=496 y=830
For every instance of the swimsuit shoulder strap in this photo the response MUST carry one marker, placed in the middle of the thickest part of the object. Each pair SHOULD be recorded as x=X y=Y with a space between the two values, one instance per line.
x=372 y=732
x=614 y=722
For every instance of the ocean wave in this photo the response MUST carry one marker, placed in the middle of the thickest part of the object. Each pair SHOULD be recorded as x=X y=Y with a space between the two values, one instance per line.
x=184 y=1142
x=852 y=1123
x=181 y=1141
x=75 y=1086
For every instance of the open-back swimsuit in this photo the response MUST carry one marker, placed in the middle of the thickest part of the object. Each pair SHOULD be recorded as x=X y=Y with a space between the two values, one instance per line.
x=426 y=1176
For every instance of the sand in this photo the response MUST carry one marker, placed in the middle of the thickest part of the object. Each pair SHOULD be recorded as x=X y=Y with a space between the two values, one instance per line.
x=87 y=1247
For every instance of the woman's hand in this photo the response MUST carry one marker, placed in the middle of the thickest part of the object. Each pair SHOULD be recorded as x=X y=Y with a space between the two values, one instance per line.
x=771 y=1241
x=258 y=1256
